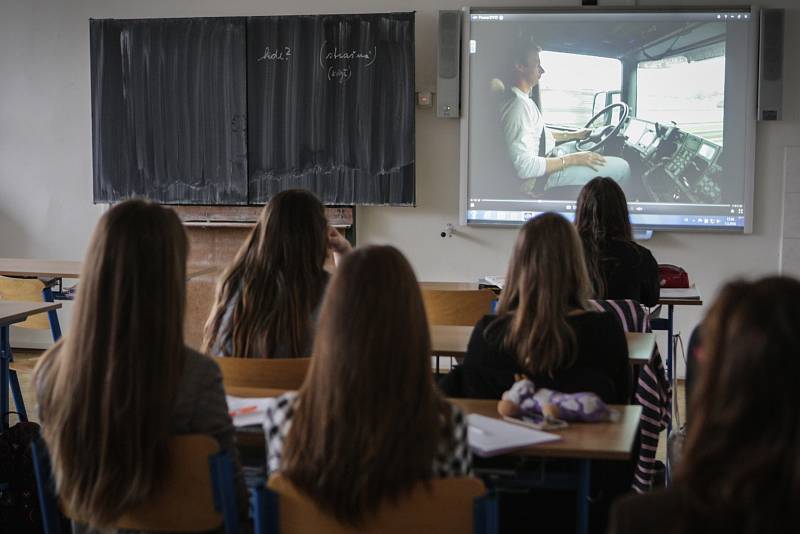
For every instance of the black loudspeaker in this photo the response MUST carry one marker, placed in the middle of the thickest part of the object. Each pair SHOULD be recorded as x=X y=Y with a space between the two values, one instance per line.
x=448 y=66
x=770 y=64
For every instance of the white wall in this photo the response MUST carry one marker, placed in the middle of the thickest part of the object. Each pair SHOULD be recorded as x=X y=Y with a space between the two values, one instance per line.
x=45 y=145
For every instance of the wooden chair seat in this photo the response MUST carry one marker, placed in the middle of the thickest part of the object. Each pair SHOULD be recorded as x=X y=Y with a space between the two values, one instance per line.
x=457 y=307
x=446 y=506
x=25 y=290
x=263 y=372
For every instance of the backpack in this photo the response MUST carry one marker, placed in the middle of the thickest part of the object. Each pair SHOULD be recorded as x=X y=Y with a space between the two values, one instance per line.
x=19 y=498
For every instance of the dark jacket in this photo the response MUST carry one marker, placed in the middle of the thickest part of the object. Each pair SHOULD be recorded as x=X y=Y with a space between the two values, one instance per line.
x=601 y=365
x=653 y=513
x=630 y=272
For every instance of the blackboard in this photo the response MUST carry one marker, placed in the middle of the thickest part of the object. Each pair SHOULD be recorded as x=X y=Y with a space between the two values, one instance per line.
x=331 y=107
x=234 y=110
x=169 y=110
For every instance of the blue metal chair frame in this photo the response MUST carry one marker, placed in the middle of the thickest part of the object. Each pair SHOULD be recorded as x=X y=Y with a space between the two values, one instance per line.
x=51 y=515
x=223 y=481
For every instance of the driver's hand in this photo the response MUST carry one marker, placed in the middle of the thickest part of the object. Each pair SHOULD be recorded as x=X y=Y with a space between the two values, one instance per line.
x=592 y=160
x=580 y=135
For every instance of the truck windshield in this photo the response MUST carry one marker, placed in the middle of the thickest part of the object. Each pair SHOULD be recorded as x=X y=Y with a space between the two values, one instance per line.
x=689 y=93
x=570 y=82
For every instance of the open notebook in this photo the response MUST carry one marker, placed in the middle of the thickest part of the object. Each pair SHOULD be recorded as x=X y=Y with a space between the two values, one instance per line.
x=489 y=436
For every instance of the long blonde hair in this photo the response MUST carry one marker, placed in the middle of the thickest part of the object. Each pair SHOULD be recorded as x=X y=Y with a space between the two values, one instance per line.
x=546 y=279
x=275 y=282
x=369 y=419
x=106 y=391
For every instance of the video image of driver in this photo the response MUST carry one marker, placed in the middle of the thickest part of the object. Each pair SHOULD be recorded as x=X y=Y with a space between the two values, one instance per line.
x=543 y=158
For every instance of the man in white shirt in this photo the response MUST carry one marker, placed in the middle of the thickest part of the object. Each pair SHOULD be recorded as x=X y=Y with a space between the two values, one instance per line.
x=532 y=146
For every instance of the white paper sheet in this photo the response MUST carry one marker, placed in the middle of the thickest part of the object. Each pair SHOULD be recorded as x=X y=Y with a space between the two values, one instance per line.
x=489 y=436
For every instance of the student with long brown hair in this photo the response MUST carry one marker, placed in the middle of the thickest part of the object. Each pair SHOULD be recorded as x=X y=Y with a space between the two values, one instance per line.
x=543 y=328
x=619 y=268
x=267 y=300
x=121 y=382
x=740 y=472
x=368 y=424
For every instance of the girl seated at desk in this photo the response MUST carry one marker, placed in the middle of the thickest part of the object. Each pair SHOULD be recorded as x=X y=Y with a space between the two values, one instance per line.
x=740 y=472
x=543 y=328
x=368 y=424
x=268 y=299
x=619 y=268
x=121 y=382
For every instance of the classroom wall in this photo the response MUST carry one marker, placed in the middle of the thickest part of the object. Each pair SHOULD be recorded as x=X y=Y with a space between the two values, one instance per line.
x=45 y=146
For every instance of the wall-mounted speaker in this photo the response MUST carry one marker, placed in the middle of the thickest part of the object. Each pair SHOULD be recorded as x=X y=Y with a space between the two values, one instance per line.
x=448 y=65
x=770 y=64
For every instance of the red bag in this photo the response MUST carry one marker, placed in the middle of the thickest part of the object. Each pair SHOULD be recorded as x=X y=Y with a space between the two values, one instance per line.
x=672 y=276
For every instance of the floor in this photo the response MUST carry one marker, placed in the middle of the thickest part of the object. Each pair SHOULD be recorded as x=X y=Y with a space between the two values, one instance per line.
x=25 y=361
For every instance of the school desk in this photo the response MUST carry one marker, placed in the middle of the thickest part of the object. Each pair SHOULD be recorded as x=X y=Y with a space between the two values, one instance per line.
x=689 y=297
x=14 y=312
x=668 y=323
x=453 y=340
x=52 y=273
x=580 y=442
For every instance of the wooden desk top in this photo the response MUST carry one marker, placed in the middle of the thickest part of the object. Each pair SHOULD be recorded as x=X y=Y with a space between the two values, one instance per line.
x=66 y=269
x=250 y=392
x=43 y=268
x=453 y=340
x=450 y=340
x=469 y=286
x=449 y=286
x=640 y=346
x=595 y=441
x=15 y=312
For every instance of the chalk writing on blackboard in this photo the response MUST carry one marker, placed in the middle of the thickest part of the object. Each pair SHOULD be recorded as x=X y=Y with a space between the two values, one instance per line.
x=338 y=62
x=340 y=74
x=276 y=54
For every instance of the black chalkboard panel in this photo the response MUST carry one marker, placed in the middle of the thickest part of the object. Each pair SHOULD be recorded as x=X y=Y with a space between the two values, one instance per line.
x=331 y=107
x=168 y=110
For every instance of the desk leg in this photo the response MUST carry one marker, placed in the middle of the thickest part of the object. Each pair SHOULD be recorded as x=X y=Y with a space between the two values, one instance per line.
x=584 y=480
x=55 y=326
x=672 y=385
x=16 y=391
x=5 y=357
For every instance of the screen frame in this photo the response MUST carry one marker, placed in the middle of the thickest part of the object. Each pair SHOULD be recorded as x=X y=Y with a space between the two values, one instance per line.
x=750 y=108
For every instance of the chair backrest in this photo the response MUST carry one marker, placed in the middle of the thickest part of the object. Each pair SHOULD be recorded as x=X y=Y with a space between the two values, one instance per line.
x=263 y=372
x=185 y=502
x=457 y=307
x=25 y=290
x=446 y=505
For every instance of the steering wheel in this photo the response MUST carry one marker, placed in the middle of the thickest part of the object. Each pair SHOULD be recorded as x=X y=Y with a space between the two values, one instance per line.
x=601 y=134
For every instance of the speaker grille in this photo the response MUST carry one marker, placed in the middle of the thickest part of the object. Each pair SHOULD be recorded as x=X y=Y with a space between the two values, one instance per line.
x=772 y=44
x=449 y=33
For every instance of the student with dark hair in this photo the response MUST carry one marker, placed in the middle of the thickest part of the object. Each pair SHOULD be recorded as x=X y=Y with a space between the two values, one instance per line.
x=268 y=299
x=618 y=267
x=368 y=424
x=543 y=328
x=740 y=472
x=121 y=381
